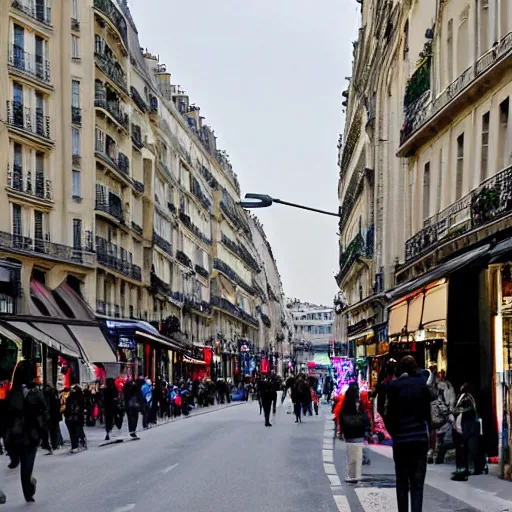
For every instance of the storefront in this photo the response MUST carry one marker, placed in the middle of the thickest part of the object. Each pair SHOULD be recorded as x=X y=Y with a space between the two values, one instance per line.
x=417 y=326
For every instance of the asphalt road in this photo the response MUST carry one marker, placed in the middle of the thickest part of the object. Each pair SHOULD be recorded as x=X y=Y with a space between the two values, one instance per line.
x=224 y=461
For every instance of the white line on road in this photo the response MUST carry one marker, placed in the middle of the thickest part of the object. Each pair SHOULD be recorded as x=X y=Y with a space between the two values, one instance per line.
x=334 y=479
x=327 y=456
x=126 y=508
x=330 y=469
x=170 y=468
x=342 y=503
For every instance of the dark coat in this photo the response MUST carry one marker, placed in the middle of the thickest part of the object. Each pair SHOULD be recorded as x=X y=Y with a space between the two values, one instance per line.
x=75 y=407
x=133 y=396
x=407 y=415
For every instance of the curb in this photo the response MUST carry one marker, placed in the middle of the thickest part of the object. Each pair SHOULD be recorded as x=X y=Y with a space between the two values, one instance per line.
x=126 y=439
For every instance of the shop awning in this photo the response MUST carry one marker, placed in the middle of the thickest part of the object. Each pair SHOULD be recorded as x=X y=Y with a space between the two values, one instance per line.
x=93 y=343
x=438 y=272
x=25 y=328
x=398 y=318
x=191 y=360
x=79 y=308
x=161 y=339
x=502 y=252
x=365 y=334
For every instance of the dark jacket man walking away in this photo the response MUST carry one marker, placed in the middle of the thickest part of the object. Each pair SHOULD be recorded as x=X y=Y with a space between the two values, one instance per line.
x=133 y=404
x=26 y=424
x=407 y=417
x=266 y=390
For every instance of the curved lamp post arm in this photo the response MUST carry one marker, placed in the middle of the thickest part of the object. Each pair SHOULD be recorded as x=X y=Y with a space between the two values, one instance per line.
x=264 y=201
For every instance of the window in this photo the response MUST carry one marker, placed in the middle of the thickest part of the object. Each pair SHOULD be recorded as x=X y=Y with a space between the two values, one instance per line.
x=99 y=141
x=17 y=93
x=484 y=157
x=460 y=167
x=75 y=132
x=76 y=185
x=449 y=49
x=426 y=191
x=406 y=39
x=19 y=38
x=503 y=149
x=38 y=225
x=440 y=182
x=483 y=35
x=77 y=233
x=74 y=9
x=463 y=43
x=74 y=47
x=75 y=94
x=17 y=229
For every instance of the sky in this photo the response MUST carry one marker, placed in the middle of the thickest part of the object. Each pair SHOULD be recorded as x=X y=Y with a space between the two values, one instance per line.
x=268 y=76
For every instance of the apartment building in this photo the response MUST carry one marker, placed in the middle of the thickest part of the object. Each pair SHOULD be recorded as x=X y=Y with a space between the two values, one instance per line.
x=428 y=108
x=117 y=196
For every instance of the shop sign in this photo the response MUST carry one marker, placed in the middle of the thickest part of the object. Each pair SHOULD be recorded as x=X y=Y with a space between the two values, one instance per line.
x=383 y=348
x=126 y=342
x=371 y=350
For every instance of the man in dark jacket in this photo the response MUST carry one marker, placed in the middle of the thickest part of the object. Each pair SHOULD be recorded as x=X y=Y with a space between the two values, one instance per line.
x=266 y=392
x=407 y=418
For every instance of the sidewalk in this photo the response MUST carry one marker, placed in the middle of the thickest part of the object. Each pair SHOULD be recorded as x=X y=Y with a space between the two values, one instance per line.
x=485 y=493
x=96 y=435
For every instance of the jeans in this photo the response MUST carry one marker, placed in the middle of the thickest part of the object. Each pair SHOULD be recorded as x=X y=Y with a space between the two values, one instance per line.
x=267 y=407
x=308 y=409
x=74 y=433
x=26 y=455
x=274 y=403
x=297 y=407
x=410 y=469
x=109 y=420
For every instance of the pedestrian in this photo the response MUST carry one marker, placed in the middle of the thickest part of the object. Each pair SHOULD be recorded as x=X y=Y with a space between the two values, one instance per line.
x=275 y=386
x=54 y=440
x=266 y=390
x=147 y=395
x=382 y=388
x=110 y=406
x=26 y=424
x=467 y=436
x=407 y=419
x=75 y=417
x=314 y=399
x=300 y=397
x=133 y=405
x=355 y=426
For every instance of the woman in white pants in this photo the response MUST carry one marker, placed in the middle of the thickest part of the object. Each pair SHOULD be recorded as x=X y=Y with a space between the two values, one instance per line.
x=355 y=425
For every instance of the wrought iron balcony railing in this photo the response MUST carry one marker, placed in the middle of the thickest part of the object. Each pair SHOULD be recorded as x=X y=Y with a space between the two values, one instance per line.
x=241 y=251
x=183 y=258
x=137 y=228
x=111 y=206
x=359 y=247
x=235 y=311
x=491 y=200
x=34 y=65
x=22 y=182
x=35 y=10
x=114 y=108
x=123 y=164
x=137 y=98
x=419 y=109
x=77 y=161
x=76 y=115
x=202 y=271
x=139 y=186
x=231 y=274
x=111 y=68
x=137 y=136
x=162 y=243
x=108 y=8
x=198 y=192
x=51 y=250
x=193 y=228
x=107 y=254
x=75 y=25
x=23 y=118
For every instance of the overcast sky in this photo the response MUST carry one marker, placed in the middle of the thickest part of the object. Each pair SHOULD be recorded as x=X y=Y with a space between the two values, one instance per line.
x=268 y=76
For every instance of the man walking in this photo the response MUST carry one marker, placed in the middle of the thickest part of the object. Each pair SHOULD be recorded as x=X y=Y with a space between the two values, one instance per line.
x=407 y=417
x=266 y=396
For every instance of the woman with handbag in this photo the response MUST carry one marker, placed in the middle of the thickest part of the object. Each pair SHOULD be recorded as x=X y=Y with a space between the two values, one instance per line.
x=355 y=426
x=467 y=433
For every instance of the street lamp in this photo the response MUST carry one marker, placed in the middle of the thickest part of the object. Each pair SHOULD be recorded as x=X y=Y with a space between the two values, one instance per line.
x=264 y=201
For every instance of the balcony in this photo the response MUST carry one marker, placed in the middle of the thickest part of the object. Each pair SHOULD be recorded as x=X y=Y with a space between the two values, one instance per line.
x=113 y=107
x=107 y=254
x=185 y=219
x=113 y=206
x=232 y=275
x=77 y=161
x=471 y=84
x=42 y=188
x=35 y=66
x=490 y=201
x=108 y=309
x=123 y=164
x=137 y=228
x=111 y=68
x=171 y=207
x=266 y=320
x=22 y=118
x=76 y=116
x=44 y=248
x=137 y=99
x=234 y=212
x=35 y=10
x=197 y=191
x=183 y=259
x=233 y=310
x=198 y=306
x=202 y=271
x=159 y=287
x=359 y=247
x=162 y=243
x=242 y=252
x=137 y=136
x=75 y=25
x=139 y=186
x=108 y=8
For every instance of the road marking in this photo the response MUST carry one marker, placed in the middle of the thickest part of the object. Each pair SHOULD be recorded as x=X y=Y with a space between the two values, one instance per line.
x=342 y=503
x=170 y=468
x=334 y=479
x=330 y=469
x=327 y=456
x=126 y=508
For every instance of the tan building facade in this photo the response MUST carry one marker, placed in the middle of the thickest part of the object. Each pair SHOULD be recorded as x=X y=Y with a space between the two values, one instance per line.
x=428 y=127
x=114 y=186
